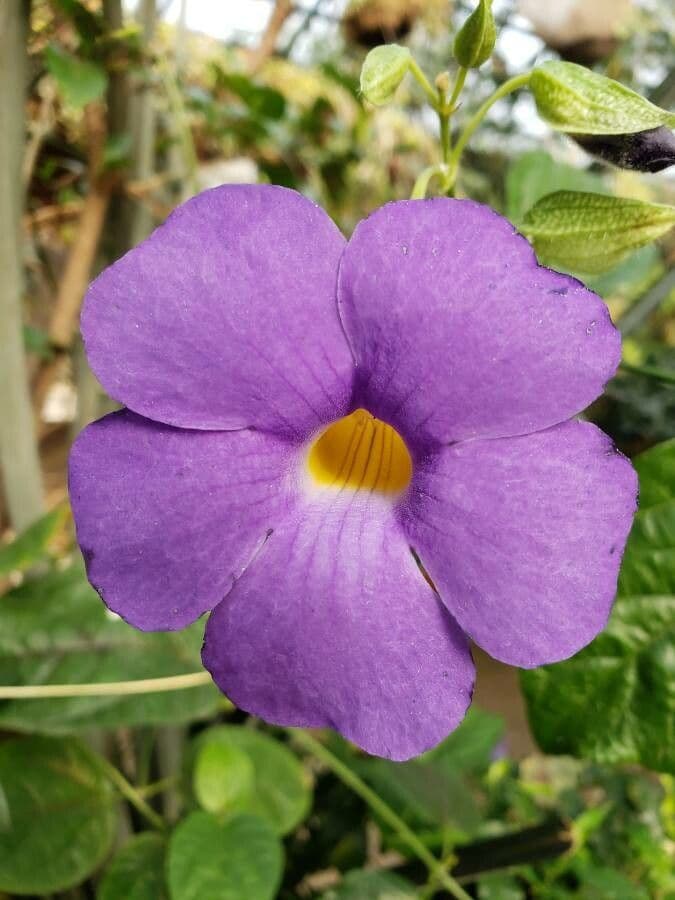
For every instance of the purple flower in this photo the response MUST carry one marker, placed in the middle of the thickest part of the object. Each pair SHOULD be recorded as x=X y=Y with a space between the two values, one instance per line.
x=237 y=335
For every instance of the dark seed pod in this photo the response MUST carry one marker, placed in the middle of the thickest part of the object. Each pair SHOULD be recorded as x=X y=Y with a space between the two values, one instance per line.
x=645 y=151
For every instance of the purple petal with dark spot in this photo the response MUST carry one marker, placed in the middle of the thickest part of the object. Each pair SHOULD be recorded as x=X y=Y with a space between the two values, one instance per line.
x=459 y=333
x=523 y=537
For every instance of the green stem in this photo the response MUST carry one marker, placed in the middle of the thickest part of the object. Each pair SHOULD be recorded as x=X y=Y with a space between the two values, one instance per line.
x=419 y=191
x=424 y=83
x=457 y=89
x=650 y=372
x=129 y=792
x=446 y=142
x=382 y=809
x=513 y=84
x=105 y=688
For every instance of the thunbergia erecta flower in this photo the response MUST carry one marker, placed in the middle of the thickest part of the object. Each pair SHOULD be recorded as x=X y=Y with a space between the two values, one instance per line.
x=306 y=417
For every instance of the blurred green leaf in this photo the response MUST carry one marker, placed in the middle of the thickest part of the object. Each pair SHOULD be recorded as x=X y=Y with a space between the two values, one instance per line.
x=499 y=887
x=80 y=81
x=62 y=815
x=223 y=778
x=362 y=885
x=232 y=860
x=603 y=883
x=615 y=700
x=36 y=340
x=280 y=791
x=536 y=174
x=32 y=545
x=574 y=99
x=476 y=38
x=424 y=793
x=56 y=630
x=117 y=151
x=591 y=232
x=383 y=70
x=137 y=871
x=469 y=748
x=261 y=100
x=89 y=25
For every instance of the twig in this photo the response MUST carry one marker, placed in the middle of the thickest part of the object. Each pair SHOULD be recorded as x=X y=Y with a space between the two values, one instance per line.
x=83 y=251
x=105 y=688
x=281 y=11
x=436 y=869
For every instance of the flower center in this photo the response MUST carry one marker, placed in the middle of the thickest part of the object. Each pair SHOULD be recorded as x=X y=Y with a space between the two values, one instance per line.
x=362 y=453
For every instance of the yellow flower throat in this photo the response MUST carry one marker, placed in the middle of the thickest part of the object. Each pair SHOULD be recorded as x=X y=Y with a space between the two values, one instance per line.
x=362 y=453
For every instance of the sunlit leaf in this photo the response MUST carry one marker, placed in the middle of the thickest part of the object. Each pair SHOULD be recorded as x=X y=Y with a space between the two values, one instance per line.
x=590 y=233
x=574 y=99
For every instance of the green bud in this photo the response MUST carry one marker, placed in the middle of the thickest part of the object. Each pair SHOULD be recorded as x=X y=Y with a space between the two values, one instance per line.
x=590 y=233
x=572 y=98
x=383 y=70
x=476 y=38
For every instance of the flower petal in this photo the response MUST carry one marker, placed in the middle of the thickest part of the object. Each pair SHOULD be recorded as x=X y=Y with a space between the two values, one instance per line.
x=460 y=333
x=226 y=316
x=523 y=537
x=334 y=625
x=168 y=518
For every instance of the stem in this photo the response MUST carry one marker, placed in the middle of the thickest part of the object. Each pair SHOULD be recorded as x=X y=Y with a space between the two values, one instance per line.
x=382 y=809
x=105 y=688
x=457 y=89
x=419 y=191
x=130 y=793
x=444 y=119
x=424 y=83
x=513 y=84
x=650 y=372
x=19 y=461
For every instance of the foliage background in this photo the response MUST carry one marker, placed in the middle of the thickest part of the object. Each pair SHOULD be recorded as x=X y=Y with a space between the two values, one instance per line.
x=110 y=117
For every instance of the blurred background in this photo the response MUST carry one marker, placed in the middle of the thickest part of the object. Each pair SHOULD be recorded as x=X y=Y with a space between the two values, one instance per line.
x=112 y=113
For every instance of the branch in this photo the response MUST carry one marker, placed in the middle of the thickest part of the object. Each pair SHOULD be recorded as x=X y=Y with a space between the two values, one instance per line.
x=282 y=10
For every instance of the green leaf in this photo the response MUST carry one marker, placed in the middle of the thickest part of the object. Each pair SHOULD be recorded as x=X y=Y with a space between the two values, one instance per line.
x=476 y=38
x=79 y=80
x=426 y=794
x=590 y=233
x=224 y=778
x=468 y=748
x=615 y=700
x=137 y=872
x=536 y=174
x=62 y=815
x=280 y=792
x=56 y=630
x=656 y=468
x=383 y=70
x=572 y=98
x=262 y=101
x=212 y=860
x=499 y=887
x=32 y=545
x=362 y=885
